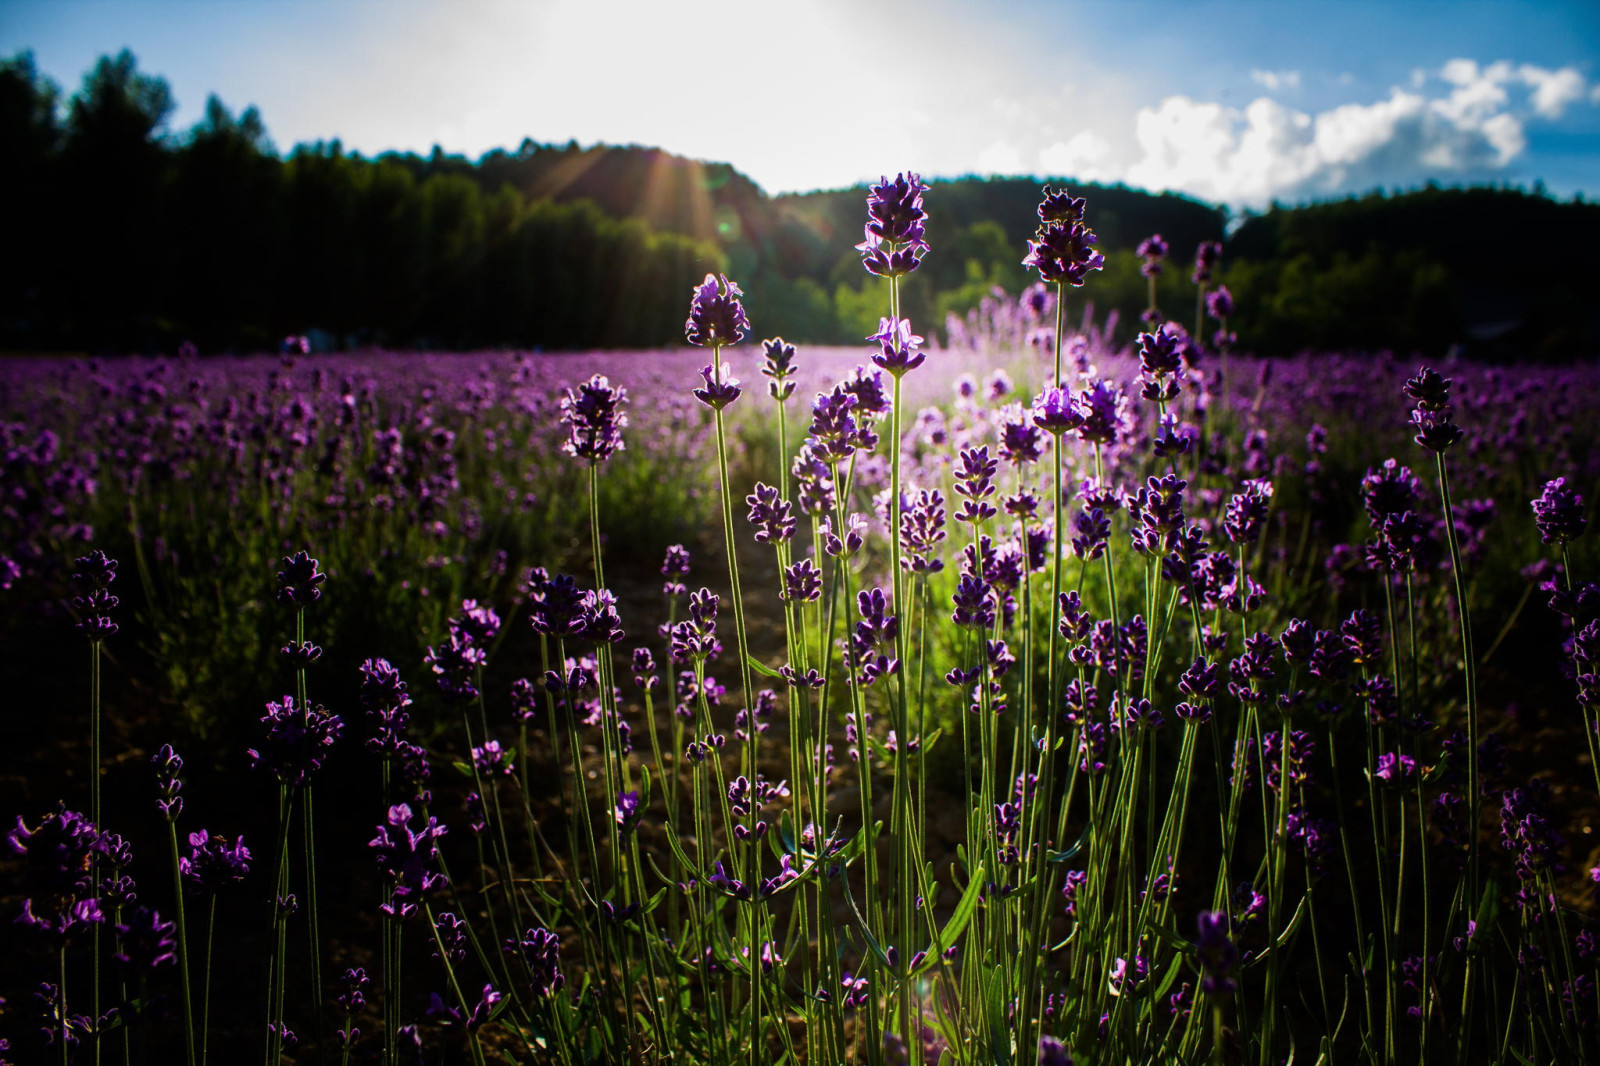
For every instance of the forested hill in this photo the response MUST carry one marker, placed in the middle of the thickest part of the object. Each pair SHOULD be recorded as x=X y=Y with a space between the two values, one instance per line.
x=128 y=235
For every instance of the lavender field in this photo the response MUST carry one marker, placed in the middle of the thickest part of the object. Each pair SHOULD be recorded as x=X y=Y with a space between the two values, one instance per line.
x=1009 y=697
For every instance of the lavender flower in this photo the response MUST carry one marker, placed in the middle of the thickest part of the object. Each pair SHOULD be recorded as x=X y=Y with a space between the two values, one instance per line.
x=772 y=516
x=147 y=943
x=1152 y=250
x=627 y=812
x=896 y=229
x=897 y=345
x=595 y=419
x=1431 y=417
x=1063 y=249
x=168 y=766
x=779 y=366
x=1247 y=512
x=299 y=581
x=213 y=864
x=716 y=315
x=1219 y=958
x=1105 y=413
x=93 y=578
x=297 y=740
x=802 y=582
x=721 y=387
x=540 y=949
x=1206 y=257
x=406 y=857
x=1056 y=412
x=1558 y=512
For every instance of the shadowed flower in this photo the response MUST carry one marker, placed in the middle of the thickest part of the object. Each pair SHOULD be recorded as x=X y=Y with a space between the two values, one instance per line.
x=406 y=857
x=540 y=949
x=297 y=740
x=299 y=580
x=1558 y=512
x=168 y=766
x=92 y=577
x=595 y=419
x=779 y=366
x=1063 y=251
x=896 y=229
x=1206 y=257
x=214 y=864
x=716 y=316
x=145 y=943
x=1153 y=249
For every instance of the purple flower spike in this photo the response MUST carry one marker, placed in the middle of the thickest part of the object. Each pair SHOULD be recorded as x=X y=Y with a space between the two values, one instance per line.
x=896 y=229
x=1219 y=958
x=214 y=864
x=147 y=943
x=627 y=812
x=406 y=857
x=297 y=740
x=1055 y=411
x=1053 y=1052
x=1431 y=417
x=1063 y=251
x=1206 y=258
x=779 y=366
x=1219 y=303
x=721 y=387
x=716 y=316
x=93 y=578
x=541 y=949
x=168 y=766
x=595 y=419
x=772 y=516
x=1152 y=250
x=1558 y=512
x=899 y=345
x=299 y=580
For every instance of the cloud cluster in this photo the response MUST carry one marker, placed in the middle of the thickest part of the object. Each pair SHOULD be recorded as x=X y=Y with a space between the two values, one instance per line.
x=1462 y=120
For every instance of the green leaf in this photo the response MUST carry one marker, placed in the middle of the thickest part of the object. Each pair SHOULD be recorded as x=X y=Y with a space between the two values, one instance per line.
x=677 y=849
x=966 y=907
x=762 y=668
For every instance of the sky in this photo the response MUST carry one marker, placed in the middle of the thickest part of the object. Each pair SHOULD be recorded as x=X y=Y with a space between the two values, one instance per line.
x=1240 y=102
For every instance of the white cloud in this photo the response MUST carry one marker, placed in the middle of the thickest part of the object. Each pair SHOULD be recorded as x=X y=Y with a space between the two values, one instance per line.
x=1086 y=156
x=1000 y=158
x=1553 y=90
x=1273 y=80
x=1464 y=119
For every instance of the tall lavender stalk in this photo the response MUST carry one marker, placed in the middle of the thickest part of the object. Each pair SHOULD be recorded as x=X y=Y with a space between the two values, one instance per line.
x=93 y=577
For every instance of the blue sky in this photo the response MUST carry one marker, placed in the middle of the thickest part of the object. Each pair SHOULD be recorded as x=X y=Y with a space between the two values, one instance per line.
x=1236 y=101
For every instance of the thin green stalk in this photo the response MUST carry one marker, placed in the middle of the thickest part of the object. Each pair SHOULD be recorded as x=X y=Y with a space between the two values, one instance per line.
x=205 y=995
x=183 y=944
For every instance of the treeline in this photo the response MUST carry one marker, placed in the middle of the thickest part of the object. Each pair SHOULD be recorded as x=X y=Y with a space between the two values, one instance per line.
x=122 y=236
x=126 y=234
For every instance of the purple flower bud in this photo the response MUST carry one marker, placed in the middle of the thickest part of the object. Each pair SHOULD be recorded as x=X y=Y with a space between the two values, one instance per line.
x=716 y=316
x=721 y=387
x=595 y=419
x=1558 y=512
x=299 y=579
x=779 y=366
x=898 y=346
x=1206 y=257
x=212 y=863
x=772 y=516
